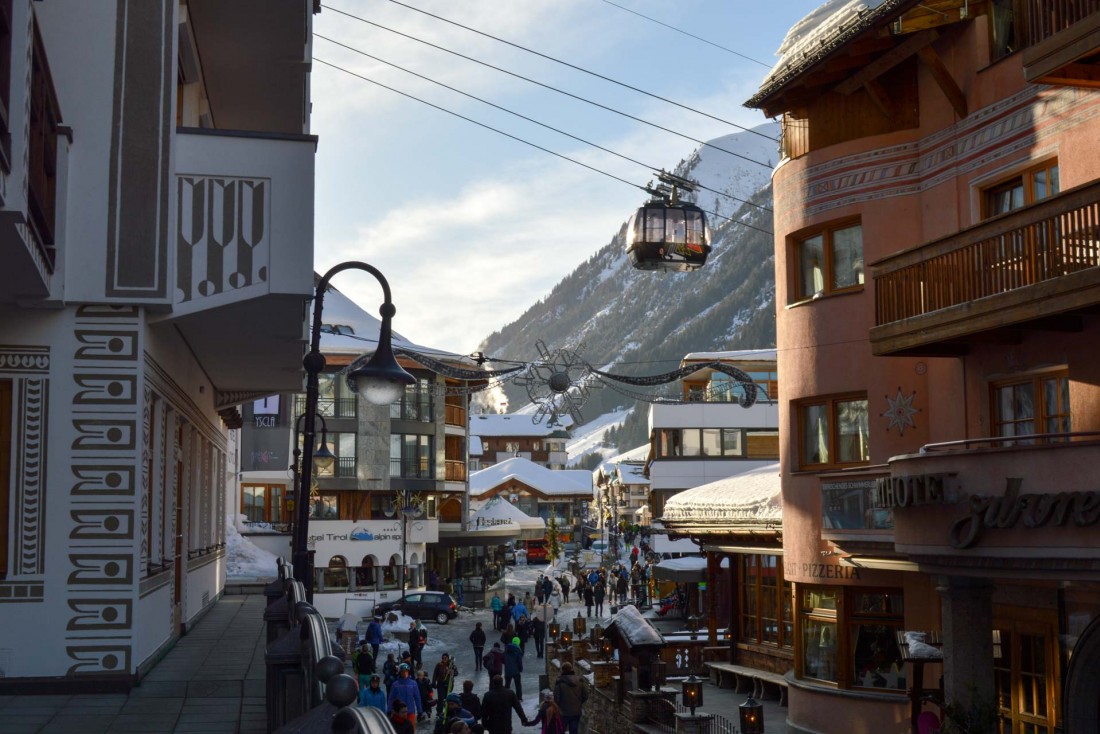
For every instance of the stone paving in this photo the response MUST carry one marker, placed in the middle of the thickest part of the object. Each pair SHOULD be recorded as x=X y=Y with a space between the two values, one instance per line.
x=211 y=681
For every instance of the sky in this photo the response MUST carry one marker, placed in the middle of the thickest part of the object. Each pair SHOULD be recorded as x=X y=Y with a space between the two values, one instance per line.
x=472 y=227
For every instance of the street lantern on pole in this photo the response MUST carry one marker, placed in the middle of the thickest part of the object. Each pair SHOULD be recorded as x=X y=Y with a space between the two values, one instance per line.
x=410 y=509
x=323 y=457
x=381 y=380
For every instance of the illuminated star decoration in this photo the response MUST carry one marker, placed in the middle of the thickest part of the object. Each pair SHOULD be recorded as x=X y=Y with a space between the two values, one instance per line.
x=900 y=412
x=557 y=384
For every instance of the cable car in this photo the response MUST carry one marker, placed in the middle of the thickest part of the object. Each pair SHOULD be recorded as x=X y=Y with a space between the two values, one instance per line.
x=666 y=233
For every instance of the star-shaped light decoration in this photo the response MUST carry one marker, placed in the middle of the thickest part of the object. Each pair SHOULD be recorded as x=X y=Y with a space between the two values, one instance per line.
x=900 y=412
x=557 y=384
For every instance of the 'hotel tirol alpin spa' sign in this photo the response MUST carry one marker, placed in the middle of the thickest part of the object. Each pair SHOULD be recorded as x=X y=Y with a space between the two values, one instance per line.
x=989 y=512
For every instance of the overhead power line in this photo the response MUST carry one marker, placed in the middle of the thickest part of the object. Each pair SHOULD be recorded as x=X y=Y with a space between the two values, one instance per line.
x=559 y=91
x=575 y=67
x=519 y=139
x=525 y=117
x=692 y=35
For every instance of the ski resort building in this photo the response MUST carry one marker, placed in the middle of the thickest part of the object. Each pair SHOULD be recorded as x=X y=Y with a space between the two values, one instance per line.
x=937 y=212
x=508 y=436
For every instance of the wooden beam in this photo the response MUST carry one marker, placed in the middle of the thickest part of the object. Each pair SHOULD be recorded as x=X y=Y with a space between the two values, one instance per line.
x=887 y=61
x=1063 y=323
x=944 y=79
x=1084 y=75
x=881 y=97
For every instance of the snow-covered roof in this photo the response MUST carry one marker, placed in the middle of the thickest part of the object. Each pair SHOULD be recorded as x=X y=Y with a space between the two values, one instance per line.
x=476 y=449
x=751 y=497
x=550 y=482
x=632 y=473
x=633 y=628
x=740 y=355
x=508 y=425
x=497 y=513
x=820 y=33
x=689 y=563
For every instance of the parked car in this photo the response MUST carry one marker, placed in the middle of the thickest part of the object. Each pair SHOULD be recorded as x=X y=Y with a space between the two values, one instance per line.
x=422 y=605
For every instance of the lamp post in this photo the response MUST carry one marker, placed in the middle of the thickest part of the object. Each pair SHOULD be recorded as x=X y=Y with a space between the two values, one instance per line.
x=323 y=458
x=381 y=379
x=410 y=510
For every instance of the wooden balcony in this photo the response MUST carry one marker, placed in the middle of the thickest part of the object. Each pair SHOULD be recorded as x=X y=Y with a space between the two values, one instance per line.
x=455 y=470
x=455 y=415
x=1033 y=268
x=1062 y=42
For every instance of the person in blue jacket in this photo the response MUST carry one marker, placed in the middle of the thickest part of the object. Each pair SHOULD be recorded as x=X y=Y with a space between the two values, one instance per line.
x=513 y=666
x=519 y=610
x=374 y=635
x=404 y=689
x=373 y=695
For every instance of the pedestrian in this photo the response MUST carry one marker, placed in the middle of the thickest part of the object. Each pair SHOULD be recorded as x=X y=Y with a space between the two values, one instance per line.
x=570 y=695
x=519 y=610
x=507 y=634
x=523 y=632
x=362 y=662
x=597 y=596
x=389 y=671
x=374 y=636
x=549 y=715
x=513 y=666
x=564 y=581
x=469 y=699
x=494 y=660
x=400 y=719
x=497 y=605
x=443 y=678
x=620 y=587
x=404 y=690
x=538 y=589
x=424 y=685
x=589 y=599
x=538 y=634
x=555 y=600
x=433 y=581
x=373 y=695
x=477 y=639
x=415 y=646
x=547 y=587
x=451 y=712
x=497 y=706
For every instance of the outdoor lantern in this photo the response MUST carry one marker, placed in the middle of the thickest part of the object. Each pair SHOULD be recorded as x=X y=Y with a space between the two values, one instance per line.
x=597 y=635
x=658 y=673
x=693 y=694
x=555 y=630
x=580 y=624
x=566 y=637
x=752 y=716
x=606 y=648
x=323 y=458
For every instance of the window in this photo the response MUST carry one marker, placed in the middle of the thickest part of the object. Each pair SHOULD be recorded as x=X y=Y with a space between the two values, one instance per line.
x=325 y=507
x=412 y=456
x=1035 y=404
x=262 y=503
x=766 y=615
x=42 y=164
x=342 y=445
x=1034 y=184
x=1006 y=27
x=717 y=443
x=829 y=261
x=364 y=575
x=5 y=87
x=848 y=637
x=5 y=471
x=834 y=432
x=416 y=404
x=334 y=398
x=1023 y=676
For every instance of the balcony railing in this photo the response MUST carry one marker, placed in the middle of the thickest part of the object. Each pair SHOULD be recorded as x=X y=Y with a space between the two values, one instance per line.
x=456 y=415
x=412 y=468
x=1047 y=17
x=1047 y=240
x=328 y=407
x=455 y=471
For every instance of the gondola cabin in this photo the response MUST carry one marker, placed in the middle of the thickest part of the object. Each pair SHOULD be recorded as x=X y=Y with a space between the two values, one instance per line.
x=662 y=236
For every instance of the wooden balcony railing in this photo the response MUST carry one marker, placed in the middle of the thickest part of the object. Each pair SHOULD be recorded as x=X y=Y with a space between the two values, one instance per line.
x=456 y=415
x=45 y=118
x=455 y=471
x=1047 y=240
x=1044 y=18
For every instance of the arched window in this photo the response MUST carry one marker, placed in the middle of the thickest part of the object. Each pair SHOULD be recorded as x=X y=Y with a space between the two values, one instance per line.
x=390 y=573
x=336 y=575
x=364 y=575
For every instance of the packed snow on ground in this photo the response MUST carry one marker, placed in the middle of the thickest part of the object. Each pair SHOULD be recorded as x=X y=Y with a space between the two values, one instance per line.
x=244 y=559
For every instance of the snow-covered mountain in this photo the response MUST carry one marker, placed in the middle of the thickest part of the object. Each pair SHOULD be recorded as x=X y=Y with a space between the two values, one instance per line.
x=640 y=323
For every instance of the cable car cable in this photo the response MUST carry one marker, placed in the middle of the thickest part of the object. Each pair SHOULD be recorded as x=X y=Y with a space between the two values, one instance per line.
x=528 y=119
x=559 y=91
x=697 y=38
x=521 y=140
x=574 y=66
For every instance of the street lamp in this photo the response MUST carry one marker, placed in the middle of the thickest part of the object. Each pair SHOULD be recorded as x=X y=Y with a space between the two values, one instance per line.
x=323 y=458
x=751 y=714
x=381 y=379
x=410 y=510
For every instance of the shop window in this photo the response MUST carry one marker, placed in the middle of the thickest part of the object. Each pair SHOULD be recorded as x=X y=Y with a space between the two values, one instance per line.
x=1023 y=677
x=334 y=577
x=262 y=503
x=391 y=573
x=834 y=432
x=766 y=617
x=829 y=261
x=848 y=637
x=1037 y=404
x=1032 y=185
x=364 y=575
x=5 y=471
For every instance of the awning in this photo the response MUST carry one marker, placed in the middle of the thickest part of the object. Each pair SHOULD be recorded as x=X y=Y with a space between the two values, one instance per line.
x=686 y=570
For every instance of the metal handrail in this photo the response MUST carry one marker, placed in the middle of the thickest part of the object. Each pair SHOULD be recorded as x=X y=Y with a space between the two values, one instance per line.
x=362 y=720
x=1038 y=437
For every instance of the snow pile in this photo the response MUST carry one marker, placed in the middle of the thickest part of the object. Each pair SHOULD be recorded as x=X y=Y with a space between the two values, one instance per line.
x=243 y=558
x=918 y=648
